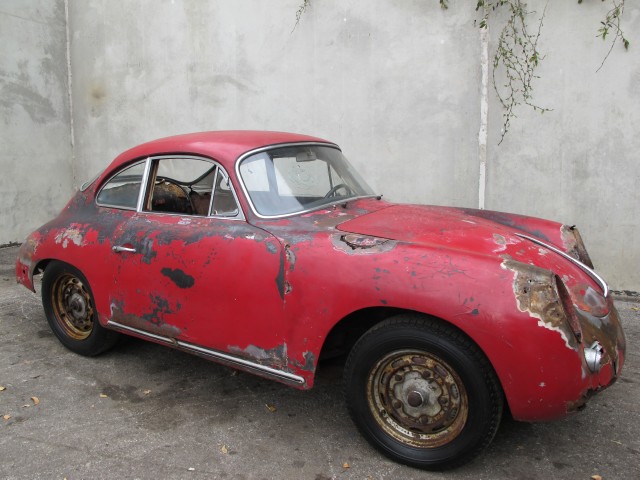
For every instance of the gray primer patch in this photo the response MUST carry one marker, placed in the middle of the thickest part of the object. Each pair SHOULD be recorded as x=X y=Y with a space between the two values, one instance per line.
x=177 y=276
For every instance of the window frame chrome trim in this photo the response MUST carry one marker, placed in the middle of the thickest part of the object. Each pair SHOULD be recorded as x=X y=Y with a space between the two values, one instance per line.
x=143 y=185
x=245 y=155
x=145 y=180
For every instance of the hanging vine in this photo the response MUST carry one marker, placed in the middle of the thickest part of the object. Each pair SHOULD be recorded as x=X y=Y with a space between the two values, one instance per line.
x=611 y=23
x=301 y=9
x=517 y=56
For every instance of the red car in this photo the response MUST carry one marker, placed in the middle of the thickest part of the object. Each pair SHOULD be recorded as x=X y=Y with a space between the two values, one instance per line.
x=266 y=252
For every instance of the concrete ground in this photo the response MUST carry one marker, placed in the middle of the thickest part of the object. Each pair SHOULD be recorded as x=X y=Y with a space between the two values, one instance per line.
x=146 y=411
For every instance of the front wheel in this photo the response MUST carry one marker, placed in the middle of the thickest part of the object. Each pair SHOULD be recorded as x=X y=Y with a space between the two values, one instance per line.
x=422 y=392
x=71 y=311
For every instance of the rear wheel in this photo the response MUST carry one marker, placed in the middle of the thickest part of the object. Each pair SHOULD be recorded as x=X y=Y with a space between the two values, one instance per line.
x=71 y=311
x=422 y=393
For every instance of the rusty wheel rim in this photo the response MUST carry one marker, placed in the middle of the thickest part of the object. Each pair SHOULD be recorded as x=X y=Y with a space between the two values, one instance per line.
x=72 y=306
x=417 y=398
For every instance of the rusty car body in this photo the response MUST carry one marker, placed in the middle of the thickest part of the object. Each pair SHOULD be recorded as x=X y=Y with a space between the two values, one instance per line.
x=266 y=251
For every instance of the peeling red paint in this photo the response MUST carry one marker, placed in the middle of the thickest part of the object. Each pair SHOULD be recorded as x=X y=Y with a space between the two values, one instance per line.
x=275 y=357
x=152 y=325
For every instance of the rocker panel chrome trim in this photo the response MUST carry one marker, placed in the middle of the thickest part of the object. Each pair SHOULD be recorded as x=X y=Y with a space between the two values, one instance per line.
x=222 y=357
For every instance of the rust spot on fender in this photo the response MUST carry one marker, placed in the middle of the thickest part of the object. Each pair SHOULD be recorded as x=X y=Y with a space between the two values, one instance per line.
x=354 y=244
x=536 y=293
x=290 y=257
x=309 y=364
x=581 y=403
x=574 y=245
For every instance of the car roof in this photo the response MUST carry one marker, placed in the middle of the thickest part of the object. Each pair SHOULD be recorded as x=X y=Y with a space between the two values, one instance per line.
x=223 y=146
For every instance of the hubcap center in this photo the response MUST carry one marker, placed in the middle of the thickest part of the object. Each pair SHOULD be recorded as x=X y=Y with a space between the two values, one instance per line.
x=78 y=306
x=415 y=399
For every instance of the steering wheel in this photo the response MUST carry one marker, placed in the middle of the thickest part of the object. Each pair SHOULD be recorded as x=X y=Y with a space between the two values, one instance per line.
x=160 y=180
x=332 y=192
x=187 y=198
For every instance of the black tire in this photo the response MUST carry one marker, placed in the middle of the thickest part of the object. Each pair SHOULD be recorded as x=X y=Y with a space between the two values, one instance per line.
x=422 y=392
x=71 y=311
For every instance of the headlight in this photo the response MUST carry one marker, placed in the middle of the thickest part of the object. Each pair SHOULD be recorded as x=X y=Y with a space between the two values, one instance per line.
x=589 y=300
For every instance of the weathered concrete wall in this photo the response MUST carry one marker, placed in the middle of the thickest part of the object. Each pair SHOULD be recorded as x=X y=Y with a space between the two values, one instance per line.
x=35 y=153
x=578 y=163
x=374 y=77
x=396 y=83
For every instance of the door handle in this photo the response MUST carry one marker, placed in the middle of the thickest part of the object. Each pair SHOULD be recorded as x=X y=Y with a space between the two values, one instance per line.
x=120 y=249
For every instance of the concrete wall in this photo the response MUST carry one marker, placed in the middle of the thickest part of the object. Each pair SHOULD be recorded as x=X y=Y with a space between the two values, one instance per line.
x=578 y=163
x=347 y=73
x=35 y=154
x=396 y=83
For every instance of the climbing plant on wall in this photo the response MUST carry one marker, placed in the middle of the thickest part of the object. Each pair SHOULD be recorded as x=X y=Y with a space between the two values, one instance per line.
x=517 y=56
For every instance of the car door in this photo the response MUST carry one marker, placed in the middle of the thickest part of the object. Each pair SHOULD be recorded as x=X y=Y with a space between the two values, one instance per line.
x=188 y=268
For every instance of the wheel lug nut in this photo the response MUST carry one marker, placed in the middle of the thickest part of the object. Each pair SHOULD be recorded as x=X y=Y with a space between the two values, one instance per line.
x=396 y=404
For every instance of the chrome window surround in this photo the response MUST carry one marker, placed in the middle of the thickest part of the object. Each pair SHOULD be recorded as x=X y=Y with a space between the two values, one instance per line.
x=143 y=184
x=145 y=180
x=145 y=174
x=594 y=276
x=284 y=145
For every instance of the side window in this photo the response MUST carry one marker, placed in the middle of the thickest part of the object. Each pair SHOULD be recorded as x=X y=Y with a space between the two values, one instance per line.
x=224 y=203
x=189 y=186
x=123 y=189
x=180 y=185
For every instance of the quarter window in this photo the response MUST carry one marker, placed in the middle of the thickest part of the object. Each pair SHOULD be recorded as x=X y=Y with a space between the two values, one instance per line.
x=123 y=189
x=224 y=203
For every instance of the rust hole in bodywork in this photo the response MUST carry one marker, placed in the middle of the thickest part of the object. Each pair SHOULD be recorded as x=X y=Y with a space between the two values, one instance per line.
x=362 y=244
x=359 y=241
x=536 y=292
x=575 y=245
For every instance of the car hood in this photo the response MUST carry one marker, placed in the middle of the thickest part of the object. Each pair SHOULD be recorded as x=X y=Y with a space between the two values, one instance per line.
x=448 y=227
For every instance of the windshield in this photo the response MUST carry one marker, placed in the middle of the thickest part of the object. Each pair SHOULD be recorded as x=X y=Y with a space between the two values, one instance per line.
x=298 y=178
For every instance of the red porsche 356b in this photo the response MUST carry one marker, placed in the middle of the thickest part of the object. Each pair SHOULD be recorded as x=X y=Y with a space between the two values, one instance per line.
x=267 y=251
